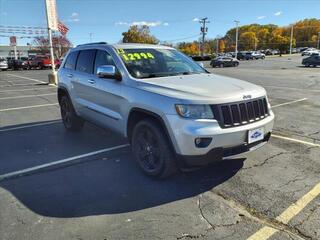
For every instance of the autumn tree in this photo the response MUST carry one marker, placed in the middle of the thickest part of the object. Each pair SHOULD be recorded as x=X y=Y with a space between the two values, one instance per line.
x=190 y=49
x=61 y=45
x=281 y=42
x=222 y=45
x=139 y=34
x=248 y=40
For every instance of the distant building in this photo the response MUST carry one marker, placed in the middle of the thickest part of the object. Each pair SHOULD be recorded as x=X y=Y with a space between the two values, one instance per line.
x=22 y=51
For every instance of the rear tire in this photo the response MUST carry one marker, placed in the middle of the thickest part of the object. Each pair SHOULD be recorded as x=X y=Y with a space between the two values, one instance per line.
x=71 y=121
x=152 y=150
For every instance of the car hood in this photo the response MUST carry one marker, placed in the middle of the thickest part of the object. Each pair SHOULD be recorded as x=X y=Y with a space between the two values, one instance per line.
x=209 y=88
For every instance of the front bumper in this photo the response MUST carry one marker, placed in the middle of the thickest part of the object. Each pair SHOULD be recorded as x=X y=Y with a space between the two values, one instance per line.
x=220 y=153
x=183 y=133
x=3 y=66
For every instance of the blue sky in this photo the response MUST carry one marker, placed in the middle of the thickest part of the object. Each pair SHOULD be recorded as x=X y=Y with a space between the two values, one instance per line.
x=169 y=20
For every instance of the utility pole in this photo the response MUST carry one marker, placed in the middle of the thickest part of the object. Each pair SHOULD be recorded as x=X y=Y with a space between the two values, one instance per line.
x=217 y=45
x=318 y=40
x=291 y=38
x=204 y=31
x=237 y=32
x=90 y=34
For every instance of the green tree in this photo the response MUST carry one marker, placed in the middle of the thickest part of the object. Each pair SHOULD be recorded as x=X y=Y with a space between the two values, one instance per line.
x=137 y=34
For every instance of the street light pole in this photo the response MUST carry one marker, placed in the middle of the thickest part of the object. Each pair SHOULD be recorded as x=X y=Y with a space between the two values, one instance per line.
x=291 y=38
x=237 y=32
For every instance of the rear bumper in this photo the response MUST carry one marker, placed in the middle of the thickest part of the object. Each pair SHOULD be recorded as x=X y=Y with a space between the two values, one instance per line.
x=219 y=153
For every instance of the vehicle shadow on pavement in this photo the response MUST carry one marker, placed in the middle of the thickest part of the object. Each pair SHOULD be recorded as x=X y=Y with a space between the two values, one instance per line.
x=111 y=186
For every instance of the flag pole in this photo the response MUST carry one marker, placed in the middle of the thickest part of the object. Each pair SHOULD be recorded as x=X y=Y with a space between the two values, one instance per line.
x=53 y=76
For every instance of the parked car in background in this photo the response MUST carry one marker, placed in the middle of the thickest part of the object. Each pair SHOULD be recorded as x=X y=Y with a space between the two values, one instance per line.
x=313 y=61
x=258 y=55
x=42 y=62
x=245 y=56
x=224 y=62
x=18 y=64
x=309 y=52
x=3 y=64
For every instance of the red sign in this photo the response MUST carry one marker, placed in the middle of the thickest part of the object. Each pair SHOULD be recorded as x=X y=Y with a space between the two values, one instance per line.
x=13 y=41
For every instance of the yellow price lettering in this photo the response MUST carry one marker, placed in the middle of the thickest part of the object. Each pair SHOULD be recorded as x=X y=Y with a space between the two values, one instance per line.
x=125 y=57
x=144 y=55
x=137 y=55
x=120 y=51
x=150 y=55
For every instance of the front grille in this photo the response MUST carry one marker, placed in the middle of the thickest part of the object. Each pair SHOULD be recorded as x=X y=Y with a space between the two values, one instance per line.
x=240 y=113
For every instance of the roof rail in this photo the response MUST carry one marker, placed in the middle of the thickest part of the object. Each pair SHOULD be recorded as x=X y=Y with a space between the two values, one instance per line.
x=94 y=43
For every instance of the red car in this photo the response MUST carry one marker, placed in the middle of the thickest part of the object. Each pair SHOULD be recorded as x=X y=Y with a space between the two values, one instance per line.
x=42 y=62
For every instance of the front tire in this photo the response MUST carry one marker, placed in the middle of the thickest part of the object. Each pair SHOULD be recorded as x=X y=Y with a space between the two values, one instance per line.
x=71 y=121
x=152 y=150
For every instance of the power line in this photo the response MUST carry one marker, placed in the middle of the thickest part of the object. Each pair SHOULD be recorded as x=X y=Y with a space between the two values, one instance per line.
x=183 y=38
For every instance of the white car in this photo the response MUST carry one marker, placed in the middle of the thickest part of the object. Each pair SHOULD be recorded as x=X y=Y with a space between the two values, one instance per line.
x=258 y=55
x=3 y=64
x=309 y=52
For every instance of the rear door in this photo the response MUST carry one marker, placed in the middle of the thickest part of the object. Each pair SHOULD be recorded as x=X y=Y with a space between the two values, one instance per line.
x=83 y=82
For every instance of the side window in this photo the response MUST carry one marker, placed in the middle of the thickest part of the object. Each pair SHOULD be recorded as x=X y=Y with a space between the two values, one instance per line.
x=102 y=58
x=71 y=60
x=85 y=61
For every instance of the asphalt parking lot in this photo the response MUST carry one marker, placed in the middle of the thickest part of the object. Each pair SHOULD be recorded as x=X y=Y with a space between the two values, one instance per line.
x=60 y=185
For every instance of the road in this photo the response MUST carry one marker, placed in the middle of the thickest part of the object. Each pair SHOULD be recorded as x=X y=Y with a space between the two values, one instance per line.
x=272 y=193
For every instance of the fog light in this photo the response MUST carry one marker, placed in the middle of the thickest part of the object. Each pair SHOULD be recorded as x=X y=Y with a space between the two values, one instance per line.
x=202 y=142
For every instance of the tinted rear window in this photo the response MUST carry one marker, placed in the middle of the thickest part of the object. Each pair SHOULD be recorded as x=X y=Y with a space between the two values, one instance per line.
x=85 y=61
x=71 y=60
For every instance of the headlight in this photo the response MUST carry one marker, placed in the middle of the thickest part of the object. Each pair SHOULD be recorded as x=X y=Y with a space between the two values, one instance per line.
x=194 y=111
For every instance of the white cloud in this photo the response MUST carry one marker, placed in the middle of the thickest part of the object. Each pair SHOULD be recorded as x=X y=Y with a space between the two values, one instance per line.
x=195 y=19
x=261 y=17
x=121 y=23
x=278 y=13
x=150 y=24
x=143 y=23
x=74 y=17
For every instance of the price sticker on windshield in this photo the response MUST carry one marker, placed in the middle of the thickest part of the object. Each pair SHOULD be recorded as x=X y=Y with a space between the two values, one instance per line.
x=135 y=56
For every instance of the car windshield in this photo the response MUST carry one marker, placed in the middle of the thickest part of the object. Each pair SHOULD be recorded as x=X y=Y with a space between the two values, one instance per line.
x=150 y=63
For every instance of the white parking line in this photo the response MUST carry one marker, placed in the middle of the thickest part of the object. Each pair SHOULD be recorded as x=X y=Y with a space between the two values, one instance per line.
x=29 y=126
x=34 y=106
x=287 y=103
x=55 y=163
x=295 y=140
x=31 y=79
x=26 y=89
x=28 y=96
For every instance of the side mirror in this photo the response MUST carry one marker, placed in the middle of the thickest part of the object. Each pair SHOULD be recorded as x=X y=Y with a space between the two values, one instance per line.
x=108 y=71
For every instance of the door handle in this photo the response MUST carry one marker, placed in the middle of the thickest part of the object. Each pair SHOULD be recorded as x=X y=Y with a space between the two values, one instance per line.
x=70 y=75
x=91 y=81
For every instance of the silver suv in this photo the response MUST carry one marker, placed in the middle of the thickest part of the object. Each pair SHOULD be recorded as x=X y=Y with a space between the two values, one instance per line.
x=174 y=113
